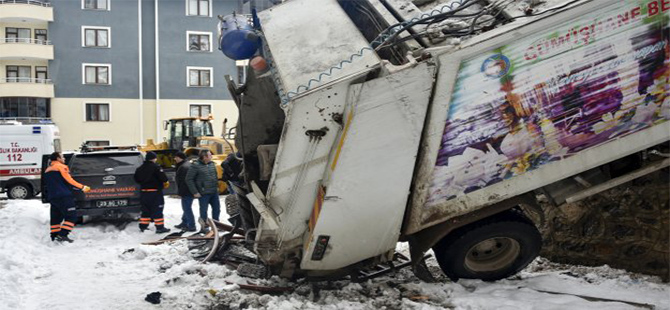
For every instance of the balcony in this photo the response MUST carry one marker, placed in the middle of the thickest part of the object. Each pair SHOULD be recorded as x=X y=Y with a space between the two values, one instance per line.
x=26 y=48
x=26 y=11
x=26 y=87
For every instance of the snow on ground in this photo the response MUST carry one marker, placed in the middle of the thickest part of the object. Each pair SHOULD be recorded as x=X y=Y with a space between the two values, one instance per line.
x=107 y=268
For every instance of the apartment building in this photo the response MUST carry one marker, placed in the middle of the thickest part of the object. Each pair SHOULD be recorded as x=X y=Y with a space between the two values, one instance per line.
x=25 y=51
x=112 y=71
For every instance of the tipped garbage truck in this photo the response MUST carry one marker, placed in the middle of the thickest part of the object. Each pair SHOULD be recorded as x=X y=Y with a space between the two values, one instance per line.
x=441 y=124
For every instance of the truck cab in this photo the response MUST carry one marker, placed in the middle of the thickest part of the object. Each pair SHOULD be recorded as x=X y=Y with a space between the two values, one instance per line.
x=185 y=131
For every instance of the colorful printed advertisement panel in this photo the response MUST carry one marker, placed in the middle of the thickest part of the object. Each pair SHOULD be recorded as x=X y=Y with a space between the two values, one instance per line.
x=550 y=96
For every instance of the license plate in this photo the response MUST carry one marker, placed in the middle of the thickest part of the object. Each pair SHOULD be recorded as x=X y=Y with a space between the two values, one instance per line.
x=112 y=203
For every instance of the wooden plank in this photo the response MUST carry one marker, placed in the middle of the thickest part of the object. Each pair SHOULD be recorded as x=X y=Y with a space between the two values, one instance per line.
x=227 y=227
x=208 y=236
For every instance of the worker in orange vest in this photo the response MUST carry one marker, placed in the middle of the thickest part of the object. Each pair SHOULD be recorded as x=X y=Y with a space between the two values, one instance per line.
x=59 y=187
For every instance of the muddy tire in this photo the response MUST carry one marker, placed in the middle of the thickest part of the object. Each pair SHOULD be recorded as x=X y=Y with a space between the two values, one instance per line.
x=232 y=205
x=20 y=191
x=490 y=249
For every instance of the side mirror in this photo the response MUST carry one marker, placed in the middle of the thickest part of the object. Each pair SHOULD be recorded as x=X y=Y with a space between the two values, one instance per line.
x=165 y=125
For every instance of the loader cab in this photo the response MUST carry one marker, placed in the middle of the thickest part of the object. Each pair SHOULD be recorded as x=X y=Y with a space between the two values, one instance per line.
x=185 y=131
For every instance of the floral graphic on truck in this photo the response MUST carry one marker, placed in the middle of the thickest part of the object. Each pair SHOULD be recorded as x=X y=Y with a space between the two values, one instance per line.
x=545 y=98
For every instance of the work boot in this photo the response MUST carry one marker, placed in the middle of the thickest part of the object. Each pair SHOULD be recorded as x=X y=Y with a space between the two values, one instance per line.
x=202 y=222
x=191 y=229
x=204 y=227
x=161 y=230
x=61 y=238
x=180 y=226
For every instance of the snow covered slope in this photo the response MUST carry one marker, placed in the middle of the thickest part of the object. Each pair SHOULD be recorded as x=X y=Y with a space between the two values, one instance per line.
x=100 y=271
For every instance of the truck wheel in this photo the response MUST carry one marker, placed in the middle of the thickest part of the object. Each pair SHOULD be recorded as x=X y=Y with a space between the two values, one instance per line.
x=232 y=205
x=20 y=191
x=489 y=250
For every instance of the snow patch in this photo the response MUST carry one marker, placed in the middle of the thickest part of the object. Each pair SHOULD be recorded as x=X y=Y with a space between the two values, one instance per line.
x=107 y=267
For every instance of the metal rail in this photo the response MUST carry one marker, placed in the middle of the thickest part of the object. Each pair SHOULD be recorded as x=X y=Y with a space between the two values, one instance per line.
x=25 y=40
x=217 y=241
x=25 y=120
x=31 y=2
x=25 y=80
x=618 y=181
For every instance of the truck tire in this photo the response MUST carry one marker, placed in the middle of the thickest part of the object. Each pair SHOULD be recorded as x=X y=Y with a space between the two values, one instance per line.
x=489 y=250
x=20 y=191
x=232 y=205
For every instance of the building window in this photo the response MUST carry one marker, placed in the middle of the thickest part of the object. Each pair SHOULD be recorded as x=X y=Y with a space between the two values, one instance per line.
x=97 y=143
x=199 y=41
x=197 y=7
x=97 y=74
x=14 y=35
x=17 y=74
x=96 y=37
x=200 y=110
x=41 y=74
x=97 y=112
x=11 y=33
x=25 y=107
x=95 y=5
x=41 y=36
x=199 y=77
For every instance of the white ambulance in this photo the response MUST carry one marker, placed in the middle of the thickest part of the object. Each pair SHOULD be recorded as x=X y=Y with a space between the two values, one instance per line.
x=22 y=144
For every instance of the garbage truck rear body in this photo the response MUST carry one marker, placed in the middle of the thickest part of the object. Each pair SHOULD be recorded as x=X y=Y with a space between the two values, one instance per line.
x=369 y=129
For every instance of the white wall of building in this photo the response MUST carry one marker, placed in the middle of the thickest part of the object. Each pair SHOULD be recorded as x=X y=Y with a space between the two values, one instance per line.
x=123 y=128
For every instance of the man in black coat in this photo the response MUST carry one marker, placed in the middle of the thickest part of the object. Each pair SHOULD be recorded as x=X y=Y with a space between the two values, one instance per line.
x=152 y=179
x=187 y=219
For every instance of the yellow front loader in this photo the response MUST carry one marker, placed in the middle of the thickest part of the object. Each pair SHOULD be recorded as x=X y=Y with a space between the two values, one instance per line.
x=190 y=135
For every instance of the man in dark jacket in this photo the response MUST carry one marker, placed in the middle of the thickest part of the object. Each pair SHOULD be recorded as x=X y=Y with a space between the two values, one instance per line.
x=152 y=179
x=59 y=185
x=187 y=219
x=203 y=183
x=232 y=167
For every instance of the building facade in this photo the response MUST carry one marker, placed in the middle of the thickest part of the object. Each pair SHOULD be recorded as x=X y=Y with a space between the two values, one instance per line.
x=112 y=71
x=25 y=52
